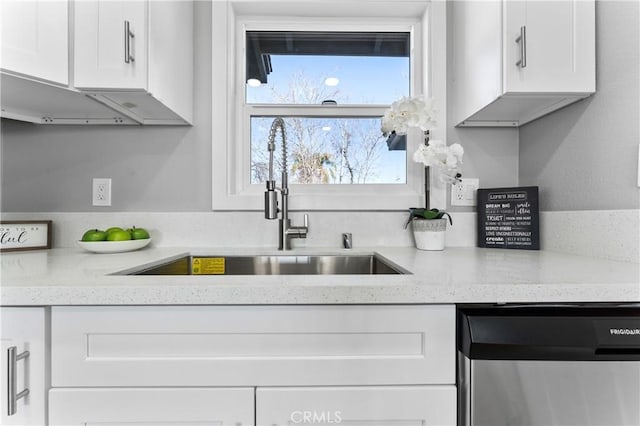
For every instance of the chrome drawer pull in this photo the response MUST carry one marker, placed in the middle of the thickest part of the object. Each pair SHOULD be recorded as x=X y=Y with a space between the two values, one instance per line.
x=12 y=392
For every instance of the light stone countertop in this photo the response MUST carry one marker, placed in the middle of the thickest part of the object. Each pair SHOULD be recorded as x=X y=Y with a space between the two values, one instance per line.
x=456 y=275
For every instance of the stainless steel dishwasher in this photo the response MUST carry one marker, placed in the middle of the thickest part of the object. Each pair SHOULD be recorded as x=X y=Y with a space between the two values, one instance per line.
x=547 y=365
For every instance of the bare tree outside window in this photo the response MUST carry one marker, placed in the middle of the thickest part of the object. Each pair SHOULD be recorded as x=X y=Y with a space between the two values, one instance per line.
x=322 y=150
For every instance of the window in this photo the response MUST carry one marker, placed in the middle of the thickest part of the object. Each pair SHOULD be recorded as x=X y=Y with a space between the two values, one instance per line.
x=331 y=78
x=298 y=68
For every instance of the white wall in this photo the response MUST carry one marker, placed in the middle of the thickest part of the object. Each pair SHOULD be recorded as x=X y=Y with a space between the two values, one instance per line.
x=153 y=168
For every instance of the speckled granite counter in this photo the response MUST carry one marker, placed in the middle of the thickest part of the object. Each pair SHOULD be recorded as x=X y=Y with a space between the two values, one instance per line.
x=456 y=275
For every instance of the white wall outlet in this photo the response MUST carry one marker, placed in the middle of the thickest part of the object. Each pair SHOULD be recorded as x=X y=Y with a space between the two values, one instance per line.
x=465 y=192
x=101 y=191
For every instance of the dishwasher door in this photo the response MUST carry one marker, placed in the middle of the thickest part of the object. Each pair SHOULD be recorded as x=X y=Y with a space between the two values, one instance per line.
x=549 y=365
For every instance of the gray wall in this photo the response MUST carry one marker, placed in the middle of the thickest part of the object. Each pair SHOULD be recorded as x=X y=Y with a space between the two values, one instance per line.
x=156 y=169
x=153 y=168
x=490 y=154
x=585 y=157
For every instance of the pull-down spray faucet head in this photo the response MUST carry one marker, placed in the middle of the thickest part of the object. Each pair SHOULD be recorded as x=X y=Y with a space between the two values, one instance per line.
x=270 y=196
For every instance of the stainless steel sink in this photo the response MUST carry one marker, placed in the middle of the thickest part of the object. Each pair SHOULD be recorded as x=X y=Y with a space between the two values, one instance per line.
x=274 y=265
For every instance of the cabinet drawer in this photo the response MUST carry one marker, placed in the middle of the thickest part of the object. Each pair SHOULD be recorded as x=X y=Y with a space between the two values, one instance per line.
x=373 y=406
x=253 y=345
x=146 y=407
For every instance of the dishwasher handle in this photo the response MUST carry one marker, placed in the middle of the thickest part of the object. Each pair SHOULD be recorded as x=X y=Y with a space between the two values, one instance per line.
x=621 y=353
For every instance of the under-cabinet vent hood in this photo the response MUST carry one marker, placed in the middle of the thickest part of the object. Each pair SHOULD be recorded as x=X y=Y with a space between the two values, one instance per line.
x=513 y=110
x=37 y=102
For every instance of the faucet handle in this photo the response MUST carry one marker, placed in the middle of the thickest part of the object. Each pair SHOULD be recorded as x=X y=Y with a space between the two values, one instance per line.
x=347 y=240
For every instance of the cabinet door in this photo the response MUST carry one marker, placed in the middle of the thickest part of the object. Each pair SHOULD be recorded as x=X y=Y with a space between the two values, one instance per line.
x=559 y=46
x=252 y=345
x=357 y=406
x=101 y=44
x=24 y=329
x=145 y=406
x=35 y=39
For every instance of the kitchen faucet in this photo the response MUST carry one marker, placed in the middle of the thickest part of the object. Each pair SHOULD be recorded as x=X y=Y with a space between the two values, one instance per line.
x=285 y=231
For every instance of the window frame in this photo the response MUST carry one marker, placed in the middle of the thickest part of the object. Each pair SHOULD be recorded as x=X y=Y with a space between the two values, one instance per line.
x=232 y=189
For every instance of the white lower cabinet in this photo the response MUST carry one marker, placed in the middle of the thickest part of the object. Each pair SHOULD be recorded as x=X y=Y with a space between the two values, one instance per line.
x=381 y=365
x=152 y=406
x=24 y=360
x=252 y=345
x=357 y=406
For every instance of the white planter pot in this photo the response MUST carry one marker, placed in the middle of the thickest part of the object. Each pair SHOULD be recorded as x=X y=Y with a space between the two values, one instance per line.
x=429 y=234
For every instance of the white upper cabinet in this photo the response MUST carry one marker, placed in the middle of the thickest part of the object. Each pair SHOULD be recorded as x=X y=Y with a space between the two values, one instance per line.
x=59 y=57
x=110 y=41
x=558 y=46
x=515 y=61
x=128 y=50
x=35 y=39
x=35 y=67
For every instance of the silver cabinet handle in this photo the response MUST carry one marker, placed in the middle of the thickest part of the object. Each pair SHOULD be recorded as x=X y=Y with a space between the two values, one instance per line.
x=12 y=383
x=128 y=35
x=522 y=39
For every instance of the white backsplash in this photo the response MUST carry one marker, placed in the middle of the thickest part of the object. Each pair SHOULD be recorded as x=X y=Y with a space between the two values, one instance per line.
x=606 y=234
x=251 y=229
x=611 y=235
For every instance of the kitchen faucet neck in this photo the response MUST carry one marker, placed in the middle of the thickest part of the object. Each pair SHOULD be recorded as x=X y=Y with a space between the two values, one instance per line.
x=286 y=230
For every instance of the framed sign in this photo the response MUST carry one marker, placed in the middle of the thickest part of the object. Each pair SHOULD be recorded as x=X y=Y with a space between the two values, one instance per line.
x=509 y=218
x=18 y=235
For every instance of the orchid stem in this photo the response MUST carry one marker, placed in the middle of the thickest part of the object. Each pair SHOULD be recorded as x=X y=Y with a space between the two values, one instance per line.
x=427 y=194
x=427 y=184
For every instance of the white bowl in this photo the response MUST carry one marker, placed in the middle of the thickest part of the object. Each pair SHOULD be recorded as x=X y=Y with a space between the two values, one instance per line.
x=113 y=246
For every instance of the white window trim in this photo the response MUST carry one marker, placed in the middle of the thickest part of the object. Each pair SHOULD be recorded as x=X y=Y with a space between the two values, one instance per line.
x=230 y=176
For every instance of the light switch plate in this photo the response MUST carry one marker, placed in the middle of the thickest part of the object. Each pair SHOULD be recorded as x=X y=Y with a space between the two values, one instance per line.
x=465 y=192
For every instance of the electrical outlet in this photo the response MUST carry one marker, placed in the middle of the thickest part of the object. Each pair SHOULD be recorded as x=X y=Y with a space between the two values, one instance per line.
x=465 y=192
x=101 y=191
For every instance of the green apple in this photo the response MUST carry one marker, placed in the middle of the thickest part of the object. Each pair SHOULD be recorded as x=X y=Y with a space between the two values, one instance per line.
x=138 y=233
x=113 y=229
x=120 y=235
x=94 y=235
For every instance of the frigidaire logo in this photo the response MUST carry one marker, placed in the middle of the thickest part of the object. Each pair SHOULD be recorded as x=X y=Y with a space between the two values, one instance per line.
x=315 y=417
x=625 y=331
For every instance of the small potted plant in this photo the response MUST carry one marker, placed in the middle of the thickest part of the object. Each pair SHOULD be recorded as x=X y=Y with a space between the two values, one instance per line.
x=428 y=225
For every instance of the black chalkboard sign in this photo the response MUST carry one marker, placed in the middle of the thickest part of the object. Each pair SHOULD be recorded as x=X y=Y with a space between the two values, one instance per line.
x=509 y=218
